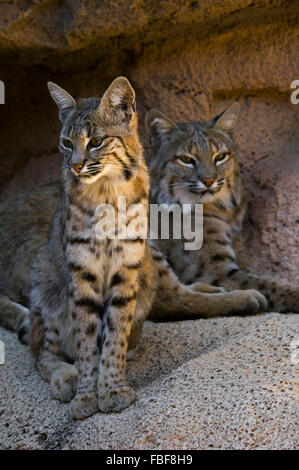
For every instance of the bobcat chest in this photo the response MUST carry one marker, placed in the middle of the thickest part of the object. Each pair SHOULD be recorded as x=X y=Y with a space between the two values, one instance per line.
x=97 y=259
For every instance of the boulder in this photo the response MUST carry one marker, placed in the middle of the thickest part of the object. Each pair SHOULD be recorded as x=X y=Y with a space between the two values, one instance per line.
x=226 y=383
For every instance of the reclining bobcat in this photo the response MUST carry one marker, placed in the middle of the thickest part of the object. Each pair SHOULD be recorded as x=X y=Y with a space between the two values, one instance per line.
x=198 y=163
x=88 y=297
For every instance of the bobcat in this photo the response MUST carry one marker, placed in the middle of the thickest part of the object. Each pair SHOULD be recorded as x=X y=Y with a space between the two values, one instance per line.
x=198 y=163
x=88 y=297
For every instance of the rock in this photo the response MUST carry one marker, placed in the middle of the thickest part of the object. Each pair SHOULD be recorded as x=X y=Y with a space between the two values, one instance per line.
x=66 y=35
x=226 y=383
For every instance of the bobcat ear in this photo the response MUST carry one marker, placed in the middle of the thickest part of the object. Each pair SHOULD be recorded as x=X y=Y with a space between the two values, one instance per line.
x=63 y=99
x=118 y=102
x=158 y=124
x=227 y=120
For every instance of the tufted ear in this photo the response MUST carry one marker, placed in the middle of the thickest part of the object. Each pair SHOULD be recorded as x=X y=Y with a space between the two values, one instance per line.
x=227 y=120
x=158 y=124
x=118 y=102
x=63 y=99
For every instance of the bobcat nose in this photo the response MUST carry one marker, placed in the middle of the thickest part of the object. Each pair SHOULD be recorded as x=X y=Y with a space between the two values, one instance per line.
x=77 y=167
x=208 y=181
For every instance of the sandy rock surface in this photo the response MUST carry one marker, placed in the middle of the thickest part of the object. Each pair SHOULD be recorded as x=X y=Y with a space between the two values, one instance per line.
x=226 y=383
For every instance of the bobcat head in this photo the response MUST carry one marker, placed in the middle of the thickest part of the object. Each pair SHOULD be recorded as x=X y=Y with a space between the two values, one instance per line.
x=193 y=162
x=98 y=135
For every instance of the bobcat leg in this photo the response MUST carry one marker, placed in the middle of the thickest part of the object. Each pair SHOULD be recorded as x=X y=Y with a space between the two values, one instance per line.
x=281 y=298
x=61 y=375
x=88 y=329
x=114 y=392
x=207 y=288
x=86 y=307
x=133 y=339
x=14 y=316
x=176 y=301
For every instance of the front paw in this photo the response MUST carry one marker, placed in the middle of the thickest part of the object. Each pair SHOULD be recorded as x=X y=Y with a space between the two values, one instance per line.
x=116 y=399
x=64 y=383
x=83 y=406
x=251 y=301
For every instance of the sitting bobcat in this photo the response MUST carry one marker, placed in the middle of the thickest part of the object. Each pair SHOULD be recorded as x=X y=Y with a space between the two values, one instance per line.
x=88 y=297
x=198 y=163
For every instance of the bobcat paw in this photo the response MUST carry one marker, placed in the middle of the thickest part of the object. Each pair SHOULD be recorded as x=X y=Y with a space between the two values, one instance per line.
x=64 y=383
x=83 y=406
x=252 y=301
x=23 y=331
x=116 y=399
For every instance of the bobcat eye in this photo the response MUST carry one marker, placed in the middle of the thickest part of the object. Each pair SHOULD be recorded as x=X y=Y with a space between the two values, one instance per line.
x=185 y=160
x=221 y=158
x=95 y=143
x=67 y=144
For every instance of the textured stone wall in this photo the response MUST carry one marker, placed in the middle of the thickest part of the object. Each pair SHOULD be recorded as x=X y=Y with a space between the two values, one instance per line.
x=190 y=59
